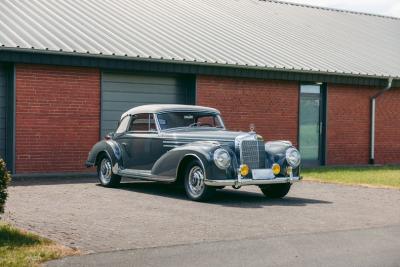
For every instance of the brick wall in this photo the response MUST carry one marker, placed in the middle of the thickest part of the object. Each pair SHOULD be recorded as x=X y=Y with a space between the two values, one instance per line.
x=271 y=105
x=57 y=117
x=349 y=122
x=387 y=123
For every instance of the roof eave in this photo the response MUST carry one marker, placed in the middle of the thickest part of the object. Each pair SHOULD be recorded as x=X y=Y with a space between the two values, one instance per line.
x=88 y=55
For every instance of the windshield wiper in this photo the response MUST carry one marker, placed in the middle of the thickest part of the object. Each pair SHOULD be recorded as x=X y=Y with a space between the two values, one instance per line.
x=195 y=124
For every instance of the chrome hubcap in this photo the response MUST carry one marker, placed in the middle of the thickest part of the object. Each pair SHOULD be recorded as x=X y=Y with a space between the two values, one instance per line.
x=105 y=171
x=196 y=181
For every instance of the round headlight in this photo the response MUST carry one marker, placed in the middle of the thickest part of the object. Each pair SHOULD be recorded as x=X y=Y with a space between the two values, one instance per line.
x=222 y=158
x=293 y=157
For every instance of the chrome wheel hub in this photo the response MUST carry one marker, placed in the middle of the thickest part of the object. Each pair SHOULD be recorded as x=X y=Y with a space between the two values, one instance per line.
x=105 y=171
x=196 y=181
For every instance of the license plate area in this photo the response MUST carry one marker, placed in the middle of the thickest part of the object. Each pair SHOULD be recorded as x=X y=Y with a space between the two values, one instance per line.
x=262 y=174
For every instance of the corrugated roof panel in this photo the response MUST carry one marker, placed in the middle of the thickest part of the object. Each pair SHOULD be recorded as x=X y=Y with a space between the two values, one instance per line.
x=264 y=34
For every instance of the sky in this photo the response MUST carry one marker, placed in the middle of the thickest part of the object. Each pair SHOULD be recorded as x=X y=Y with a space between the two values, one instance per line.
x=382 y=7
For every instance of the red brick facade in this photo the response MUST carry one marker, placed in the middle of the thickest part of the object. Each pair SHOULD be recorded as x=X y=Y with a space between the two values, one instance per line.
x=348 y=137
x=57 y=117
x=387 y=134
x=349 y=122
x=271 y=105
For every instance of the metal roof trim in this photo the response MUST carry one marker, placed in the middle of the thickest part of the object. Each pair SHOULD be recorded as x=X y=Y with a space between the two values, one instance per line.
x=195 y=63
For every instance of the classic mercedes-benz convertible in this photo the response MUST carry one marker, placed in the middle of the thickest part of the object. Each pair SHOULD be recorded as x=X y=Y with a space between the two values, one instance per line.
x=189 y=145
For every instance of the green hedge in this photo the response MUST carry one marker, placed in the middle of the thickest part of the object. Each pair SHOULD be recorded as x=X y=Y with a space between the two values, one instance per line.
x=5 y=179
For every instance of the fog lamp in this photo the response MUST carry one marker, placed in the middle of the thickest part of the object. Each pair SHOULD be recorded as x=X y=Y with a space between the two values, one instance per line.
x=276 y=169
x=244 y=170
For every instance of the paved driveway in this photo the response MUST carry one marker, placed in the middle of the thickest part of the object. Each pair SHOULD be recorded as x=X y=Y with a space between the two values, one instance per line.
x=80 y=213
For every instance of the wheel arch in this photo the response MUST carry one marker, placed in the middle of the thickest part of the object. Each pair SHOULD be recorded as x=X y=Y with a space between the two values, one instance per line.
x=100 y=155
x=104 y=147
x=180 y=174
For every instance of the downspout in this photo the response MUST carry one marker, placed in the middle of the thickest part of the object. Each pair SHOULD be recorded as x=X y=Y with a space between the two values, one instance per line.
x=373 y=112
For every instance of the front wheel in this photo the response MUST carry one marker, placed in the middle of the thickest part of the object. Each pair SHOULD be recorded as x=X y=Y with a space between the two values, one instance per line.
x=104 y=172
x=195 y=187
x=275 y=190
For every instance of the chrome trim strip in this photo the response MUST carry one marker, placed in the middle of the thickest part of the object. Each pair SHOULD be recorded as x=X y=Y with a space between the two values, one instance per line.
x=194 y=139
x=142 y=174
x=241 y=182
x=173 y=146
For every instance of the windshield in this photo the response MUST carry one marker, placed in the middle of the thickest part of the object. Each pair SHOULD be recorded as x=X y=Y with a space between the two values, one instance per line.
x=185 y=119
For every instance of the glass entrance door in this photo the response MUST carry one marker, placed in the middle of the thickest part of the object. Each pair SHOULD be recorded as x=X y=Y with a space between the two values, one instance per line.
x=310 y=132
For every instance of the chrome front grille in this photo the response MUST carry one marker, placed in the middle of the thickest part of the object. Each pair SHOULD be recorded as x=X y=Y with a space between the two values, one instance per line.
x=252 y=153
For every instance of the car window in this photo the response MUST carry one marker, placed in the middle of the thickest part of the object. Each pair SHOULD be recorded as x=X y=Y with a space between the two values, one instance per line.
x=123 y=125
x=142 y=123
x=172 y=120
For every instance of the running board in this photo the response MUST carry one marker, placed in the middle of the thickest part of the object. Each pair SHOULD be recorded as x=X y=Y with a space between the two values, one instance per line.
x=140 y=174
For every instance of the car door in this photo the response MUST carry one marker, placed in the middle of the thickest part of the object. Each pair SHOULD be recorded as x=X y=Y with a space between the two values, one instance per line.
x=137 y=142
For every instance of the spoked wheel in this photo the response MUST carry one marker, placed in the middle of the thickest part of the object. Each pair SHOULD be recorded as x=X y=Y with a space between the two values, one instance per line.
x=105 y=174
x=195 y=187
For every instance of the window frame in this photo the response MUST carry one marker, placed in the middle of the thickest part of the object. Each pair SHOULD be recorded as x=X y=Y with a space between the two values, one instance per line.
x=143 y=132
x=119 y=124
x=221 y=120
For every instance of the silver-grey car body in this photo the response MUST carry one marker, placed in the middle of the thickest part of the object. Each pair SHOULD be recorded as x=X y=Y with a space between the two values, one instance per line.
x=159 y=142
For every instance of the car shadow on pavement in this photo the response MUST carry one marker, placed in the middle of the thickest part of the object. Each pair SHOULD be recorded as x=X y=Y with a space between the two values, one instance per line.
x=33 y=181
x=224 y=197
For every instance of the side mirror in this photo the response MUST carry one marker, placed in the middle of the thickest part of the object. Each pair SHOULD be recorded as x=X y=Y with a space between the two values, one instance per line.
x=109 y=136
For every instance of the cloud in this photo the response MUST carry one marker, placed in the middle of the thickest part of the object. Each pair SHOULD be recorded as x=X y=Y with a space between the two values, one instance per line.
x=384 y=7
x=395 y=10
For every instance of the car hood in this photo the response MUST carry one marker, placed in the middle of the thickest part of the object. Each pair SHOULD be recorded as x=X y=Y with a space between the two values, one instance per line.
x=204 y=135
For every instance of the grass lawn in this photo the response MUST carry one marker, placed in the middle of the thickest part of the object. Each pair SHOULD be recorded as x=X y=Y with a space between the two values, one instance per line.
x=20 y=248
x=375 y=176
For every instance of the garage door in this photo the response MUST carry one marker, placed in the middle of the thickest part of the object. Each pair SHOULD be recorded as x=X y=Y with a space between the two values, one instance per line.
x=2 y=112
x=121 y=92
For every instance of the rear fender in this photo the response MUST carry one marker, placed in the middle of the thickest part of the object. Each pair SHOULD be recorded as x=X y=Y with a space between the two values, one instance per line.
x=108 y=147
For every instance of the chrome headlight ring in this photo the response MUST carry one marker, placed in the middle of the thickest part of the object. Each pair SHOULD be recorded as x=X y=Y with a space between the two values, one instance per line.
x=222 y=159
x=293 y=157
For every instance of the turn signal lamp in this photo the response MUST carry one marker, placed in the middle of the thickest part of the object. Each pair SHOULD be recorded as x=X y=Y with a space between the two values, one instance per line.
x=244 y=170
x=276 y=169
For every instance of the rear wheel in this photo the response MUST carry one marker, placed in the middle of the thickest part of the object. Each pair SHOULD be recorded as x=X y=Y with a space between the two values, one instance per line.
x=195 y=187
x=275 y=190
x=104 y=172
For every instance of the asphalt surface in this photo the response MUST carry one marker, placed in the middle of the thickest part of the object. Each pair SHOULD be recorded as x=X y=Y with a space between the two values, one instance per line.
x=367 y=247
x=148 y=224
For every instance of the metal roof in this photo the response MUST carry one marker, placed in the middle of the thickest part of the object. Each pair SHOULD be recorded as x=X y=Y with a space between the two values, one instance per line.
x=255 y=34
x=157 y=108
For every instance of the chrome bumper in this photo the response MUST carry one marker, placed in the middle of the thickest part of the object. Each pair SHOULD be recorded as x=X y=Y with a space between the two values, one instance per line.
x=240 y=182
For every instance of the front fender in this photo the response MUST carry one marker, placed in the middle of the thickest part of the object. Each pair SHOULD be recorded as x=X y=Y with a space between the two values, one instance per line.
x=110 y=147
x=276 y=153
x=168 y=165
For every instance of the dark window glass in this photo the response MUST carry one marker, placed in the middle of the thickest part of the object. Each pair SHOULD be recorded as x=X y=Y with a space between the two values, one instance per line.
x=170 y=120
x=310 y=131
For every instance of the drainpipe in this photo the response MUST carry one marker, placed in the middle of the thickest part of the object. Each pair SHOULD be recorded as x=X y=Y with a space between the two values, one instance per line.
x=373 y=111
